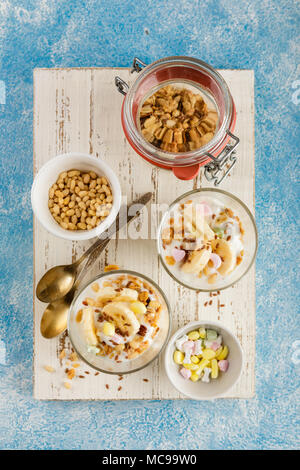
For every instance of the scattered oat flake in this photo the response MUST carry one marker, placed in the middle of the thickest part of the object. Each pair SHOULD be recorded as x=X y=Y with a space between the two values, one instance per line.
x=119 y=388
x=86 y=372
x=121 y=377
x=81 y=376
x=49 y=368
x=222 y=305
x=67 y=385
x=96 y=373
x=75 y=365
x=62 y=354
x=146 y=380
x=107 y=386
x=205 y=304
x=73 y=357
x=111 y=267
x=210 y=302
x=71 y=374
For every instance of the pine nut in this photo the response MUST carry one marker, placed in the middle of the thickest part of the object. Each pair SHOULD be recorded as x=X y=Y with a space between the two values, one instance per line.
x=79 y=201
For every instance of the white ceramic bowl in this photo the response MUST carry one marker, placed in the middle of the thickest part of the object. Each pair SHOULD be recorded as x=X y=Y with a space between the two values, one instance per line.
x=48 y=175
x=216 y=388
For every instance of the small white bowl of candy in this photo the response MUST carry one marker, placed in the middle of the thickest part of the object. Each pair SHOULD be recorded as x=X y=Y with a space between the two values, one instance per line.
x=204 y=360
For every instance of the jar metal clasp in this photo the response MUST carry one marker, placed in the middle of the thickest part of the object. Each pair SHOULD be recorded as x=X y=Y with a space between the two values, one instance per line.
x=219 y=167
x=122 y=86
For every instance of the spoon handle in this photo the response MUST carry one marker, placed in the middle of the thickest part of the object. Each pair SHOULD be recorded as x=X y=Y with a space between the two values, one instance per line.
x=123 y=219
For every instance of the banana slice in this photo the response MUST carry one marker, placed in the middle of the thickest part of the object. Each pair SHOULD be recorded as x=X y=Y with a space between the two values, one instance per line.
x=127 y=295
x=197 y=260
x=222 y=248
x=106 y=293
x=195 y=222
x=88 y=326
x=123 y=317
x=208 y=232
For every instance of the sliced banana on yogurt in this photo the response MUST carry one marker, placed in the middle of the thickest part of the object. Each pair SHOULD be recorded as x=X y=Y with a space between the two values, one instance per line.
x=197 y=260
x=195 y=222
x=88 y=326
x=222 y=248
x=123 y=317
x=106 y=293
x=127 y=295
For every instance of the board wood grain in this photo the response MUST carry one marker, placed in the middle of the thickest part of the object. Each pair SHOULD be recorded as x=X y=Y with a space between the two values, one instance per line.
x=78 y=110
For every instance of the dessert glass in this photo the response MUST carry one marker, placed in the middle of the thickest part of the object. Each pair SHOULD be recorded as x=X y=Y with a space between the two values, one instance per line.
x=250 y=238
x=103 y=363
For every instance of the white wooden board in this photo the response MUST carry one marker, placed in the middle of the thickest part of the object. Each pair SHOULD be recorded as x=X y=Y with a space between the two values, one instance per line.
x=78 y=110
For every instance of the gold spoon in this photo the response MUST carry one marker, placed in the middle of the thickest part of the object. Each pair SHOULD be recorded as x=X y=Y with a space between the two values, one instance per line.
x=59 y=280
x=54 y=320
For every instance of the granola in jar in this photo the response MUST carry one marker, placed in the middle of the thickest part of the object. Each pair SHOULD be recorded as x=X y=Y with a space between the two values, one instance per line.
x=178 y=119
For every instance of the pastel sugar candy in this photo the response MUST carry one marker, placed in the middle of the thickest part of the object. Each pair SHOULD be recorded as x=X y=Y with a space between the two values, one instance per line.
x=186 y=373
x=178 y=255
x=197 y=347
x=179 y=343
x=206 y=374
x=188 y=348
x=223 y=365
x=215 y=345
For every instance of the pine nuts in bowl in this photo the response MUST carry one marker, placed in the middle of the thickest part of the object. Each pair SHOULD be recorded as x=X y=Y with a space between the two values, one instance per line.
x=76 y=196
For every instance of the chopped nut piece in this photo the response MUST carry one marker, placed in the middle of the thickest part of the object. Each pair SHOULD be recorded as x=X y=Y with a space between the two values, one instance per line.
x=73 y=357
x=170 y=260
x=49 y=368
x=71 y=374
x=143 y=296
x=62 y=354
x=111 y=267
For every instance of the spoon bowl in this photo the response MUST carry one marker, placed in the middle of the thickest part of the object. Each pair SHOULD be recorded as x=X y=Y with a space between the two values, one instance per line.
x=56 y=282
x=54 y=320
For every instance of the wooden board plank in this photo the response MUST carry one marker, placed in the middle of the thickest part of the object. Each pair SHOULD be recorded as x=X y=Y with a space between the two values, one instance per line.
x=79 y=110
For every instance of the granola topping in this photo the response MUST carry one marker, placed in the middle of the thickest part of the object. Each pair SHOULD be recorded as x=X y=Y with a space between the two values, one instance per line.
x=118 y=319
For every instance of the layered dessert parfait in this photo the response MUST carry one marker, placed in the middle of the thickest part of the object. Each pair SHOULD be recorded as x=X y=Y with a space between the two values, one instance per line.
x=201 y=241
x=118 y=317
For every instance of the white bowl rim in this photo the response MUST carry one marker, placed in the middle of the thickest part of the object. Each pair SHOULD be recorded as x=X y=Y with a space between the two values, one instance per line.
x=193 y=325
x=85 y=234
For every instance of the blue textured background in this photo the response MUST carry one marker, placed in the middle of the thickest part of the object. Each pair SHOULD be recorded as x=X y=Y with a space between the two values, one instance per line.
x=260 y=34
